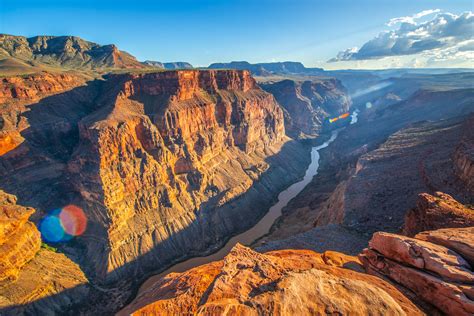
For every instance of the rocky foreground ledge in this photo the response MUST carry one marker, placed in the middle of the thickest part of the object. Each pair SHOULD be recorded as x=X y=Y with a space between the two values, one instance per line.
x=431 y=273
x=285 y=282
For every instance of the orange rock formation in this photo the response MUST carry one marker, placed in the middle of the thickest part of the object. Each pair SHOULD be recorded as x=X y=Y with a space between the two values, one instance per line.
x=33 y=280
x=287 y=282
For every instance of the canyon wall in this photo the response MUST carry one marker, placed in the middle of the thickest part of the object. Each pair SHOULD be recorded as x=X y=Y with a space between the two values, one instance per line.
x=31 y=277
x=309 y=103
x=171 y=164
x=164 y=165
x=397 y=275
x=372 y=173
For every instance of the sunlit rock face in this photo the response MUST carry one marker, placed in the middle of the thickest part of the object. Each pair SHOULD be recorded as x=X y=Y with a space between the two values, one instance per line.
x=33 y=280
x=169 y=164
x=285 y=282
x=433 y=267
x=309 y=103
x=163 y=165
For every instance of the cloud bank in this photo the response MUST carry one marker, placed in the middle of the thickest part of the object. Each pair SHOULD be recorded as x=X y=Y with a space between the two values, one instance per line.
x=411 y=19
x=445 y=37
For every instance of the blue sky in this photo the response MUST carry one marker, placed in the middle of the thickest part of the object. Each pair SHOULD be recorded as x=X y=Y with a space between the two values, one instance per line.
x=202 y=32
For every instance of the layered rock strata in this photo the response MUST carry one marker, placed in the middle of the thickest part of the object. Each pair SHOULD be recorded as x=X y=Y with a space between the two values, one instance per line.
x=33 y=280
x=435 y=274
x=366 y=190
x=164 y=164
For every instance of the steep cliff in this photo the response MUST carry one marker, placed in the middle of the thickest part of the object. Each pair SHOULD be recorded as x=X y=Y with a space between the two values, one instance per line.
x=164 y=164
x=31 y=277
x=286 y=282
x=309 y=103
x=372 y=173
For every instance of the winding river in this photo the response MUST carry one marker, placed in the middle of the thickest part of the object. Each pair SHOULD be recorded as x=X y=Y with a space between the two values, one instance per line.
x=262 y=227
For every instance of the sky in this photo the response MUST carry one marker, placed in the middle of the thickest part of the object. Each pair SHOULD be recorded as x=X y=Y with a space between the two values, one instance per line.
x=332 y=34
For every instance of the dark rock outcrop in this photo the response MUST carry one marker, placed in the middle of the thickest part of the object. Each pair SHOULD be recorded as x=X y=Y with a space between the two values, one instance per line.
x=309 y=103
x=435 y=212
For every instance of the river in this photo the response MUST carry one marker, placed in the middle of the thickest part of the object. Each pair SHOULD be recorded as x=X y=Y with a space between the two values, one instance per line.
x=262 y=227
x=257 y=231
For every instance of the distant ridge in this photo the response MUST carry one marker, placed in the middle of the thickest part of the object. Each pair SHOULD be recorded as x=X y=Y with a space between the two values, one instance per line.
x=21 y=55
x=265 y=69
x=65 y=51
x=171 y=65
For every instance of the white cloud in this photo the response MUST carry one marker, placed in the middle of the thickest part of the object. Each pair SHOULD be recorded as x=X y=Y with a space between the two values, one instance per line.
x=445 y=37
x=411 y=19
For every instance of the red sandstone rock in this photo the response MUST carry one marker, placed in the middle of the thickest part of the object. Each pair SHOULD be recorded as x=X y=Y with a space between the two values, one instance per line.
x=164 y=147
x=287 y=282
x=423 y=255
x=438 y=211
x=435 y=274
x=460 y=240
x=33 y=280
x=33 y=86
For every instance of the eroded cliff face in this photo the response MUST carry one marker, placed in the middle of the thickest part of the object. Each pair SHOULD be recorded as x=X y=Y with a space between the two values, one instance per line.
x=286 y=282
x=309 y=103
x=17 y=93
x=162 y=165
x=32 y=279
x=464 y=158
x=430 y=273
x=32 y=87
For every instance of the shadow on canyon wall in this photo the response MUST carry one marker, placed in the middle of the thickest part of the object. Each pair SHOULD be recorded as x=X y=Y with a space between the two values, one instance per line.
x=36 y=172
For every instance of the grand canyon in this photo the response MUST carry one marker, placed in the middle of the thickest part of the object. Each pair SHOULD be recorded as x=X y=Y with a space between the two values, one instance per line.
x=132 y=187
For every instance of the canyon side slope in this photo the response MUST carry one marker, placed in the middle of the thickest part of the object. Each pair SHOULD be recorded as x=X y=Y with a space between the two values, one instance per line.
x=373 y=172
x=430 y=273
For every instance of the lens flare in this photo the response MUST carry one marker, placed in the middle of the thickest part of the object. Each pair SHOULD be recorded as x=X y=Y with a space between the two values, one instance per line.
x=342 y=116
x=61 y=225
x=73 y=219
